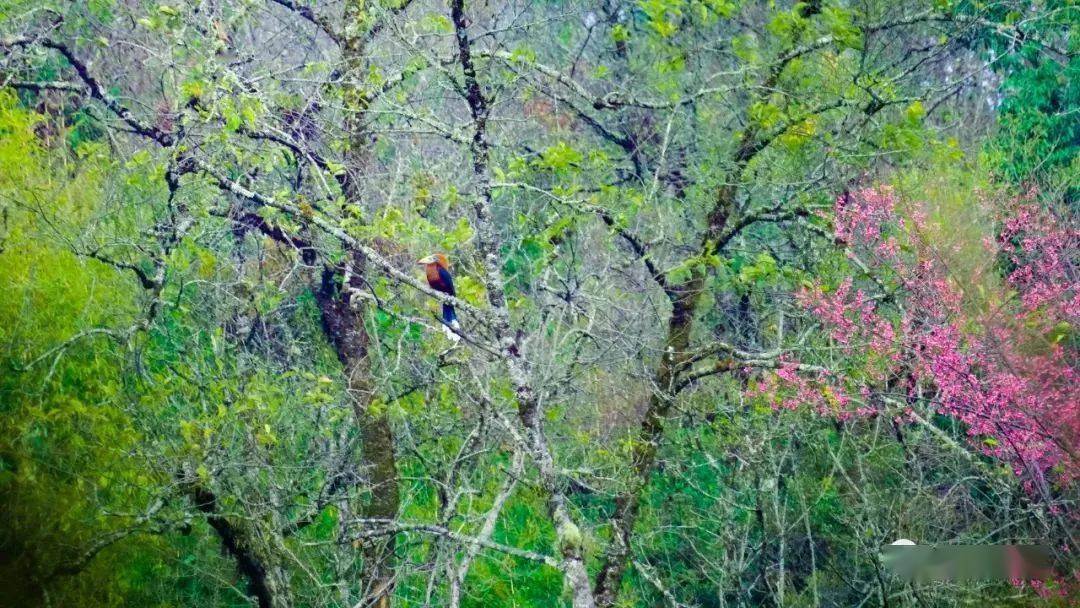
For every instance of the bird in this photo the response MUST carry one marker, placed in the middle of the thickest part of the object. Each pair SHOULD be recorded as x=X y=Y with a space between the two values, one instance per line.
x=437 y=269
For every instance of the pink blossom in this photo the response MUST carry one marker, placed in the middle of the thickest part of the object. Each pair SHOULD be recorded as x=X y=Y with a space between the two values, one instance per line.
x=1017 y=392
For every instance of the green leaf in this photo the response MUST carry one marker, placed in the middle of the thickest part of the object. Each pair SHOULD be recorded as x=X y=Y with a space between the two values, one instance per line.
x=560 y=156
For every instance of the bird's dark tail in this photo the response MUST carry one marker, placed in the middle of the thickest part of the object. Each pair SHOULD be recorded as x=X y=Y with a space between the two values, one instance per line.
x=448 y=315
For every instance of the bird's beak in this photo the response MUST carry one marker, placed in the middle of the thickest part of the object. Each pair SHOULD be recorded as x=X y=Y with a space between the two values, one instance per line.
x=423 y=261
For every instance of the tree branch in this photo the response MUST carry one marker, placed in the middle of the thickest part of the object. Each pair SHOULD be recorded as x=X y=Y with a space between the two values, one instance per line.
x=308 y=14
x=384 y=527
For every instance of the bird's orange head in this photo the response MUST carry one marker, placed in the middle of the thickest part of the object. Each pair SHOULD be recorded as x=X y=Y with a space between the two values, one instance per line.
x=439 y=259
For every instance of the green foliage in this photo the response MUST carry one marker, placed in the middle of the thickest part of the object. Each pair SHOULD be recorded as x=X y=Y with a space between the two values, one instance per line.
x=63 y=434
x=621 y=140
x=1038 y=141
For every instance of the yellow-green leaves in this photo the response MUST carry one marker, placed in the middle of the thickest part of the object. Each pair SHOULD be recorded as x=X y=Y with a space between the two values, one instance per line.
x=787 y=25
x=244 y=110
x=664 y=27
x=470 y=289
x=266 y=436
x=663 y=15
x=560 y=156
x=693 y=265
x=164 y=17
x=523 y=55
x=620 y=33
x=798 y=134
x=745 y=47
x=907 y=133
x=1061 y=331
x=461 y=233
x=437 y=22
x=763 y=268
x=765 y=114
x=388 y=223
x=915 y=112
x=722 y=8
x=839 y=22
x=335 y=168
x=207 y=262
x=194 y=89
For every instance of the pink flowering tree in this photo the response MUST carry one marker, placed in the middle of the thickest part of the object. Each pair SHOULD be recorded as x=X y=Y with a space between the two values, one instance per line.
x=910 y=340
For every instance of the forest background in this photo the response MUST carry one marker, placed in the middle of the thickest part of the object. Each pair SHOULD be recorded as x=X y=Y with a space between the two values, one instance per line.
x=746 y=290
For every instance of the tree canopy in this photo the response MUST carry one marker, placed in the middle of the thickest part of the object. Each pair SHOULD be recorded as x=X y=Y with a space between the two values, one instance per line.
x=745 y=292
